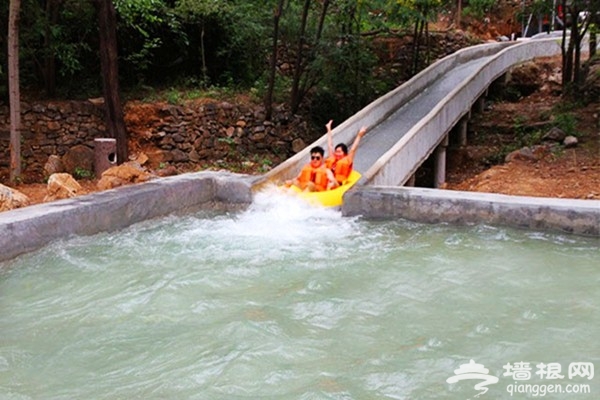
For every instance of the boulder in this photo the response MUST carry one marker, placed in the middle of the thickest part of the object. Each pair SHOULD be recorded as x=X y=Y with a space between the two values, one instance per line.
x=62 y=186
x=570 y=141
x=123 y=174
x=54 y=165
x=78 y=159
x=298 y=145
x=524 y=154
x=555 y=134
x=11 y=198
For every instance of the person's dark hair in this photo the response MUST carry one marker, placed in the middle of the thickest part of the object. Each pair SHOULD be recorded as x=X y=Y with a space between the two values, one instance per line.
x=343 y=147
x=317 y=149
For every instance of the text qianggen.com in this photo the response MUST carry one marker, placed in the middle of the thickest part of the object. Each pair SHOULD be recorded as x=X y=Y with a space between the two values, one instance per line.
x=542 y=389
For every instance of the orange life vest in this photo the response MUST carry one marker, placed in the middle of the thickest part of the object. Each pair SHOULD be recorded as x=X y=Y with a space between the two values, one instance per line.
x=318 y=176
x=341 y=168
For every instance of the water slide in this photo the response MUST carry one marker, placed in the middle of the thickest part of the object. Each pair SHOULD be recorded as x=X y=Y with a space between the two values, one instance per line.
x=407 y=124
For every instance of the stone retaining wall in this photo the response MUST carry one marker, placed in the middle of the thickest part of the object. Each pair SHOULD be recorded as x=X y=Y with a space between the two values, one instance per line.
x=181 y=135
x=51 y=128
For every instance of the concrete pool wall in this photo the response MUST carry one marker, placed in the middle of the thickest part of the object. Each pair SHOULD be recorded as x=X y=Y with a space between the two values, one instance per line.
x=580 y=217
x=30 y=228
x=33 y=227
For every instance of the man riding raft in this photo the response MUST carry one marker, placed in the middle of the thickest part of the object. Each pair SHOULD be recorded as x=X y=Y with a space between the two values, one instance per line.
x=323 y=174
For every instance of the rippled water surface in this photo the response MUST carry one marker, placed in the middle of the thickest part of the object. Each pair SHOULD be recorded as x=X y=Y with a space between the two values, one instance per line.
x=288 y=302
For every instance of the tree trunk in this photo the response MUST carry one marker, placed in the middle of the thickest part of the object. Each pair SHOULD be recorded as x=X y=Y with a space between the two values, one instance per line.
x=273 y=63
x=203 y=54
x=309 y=81
x=415 y=48
x=298 y=67
x=14 y=91
x=419 y=27
x=115 y=123
x=573 y=75
x=593 y=41
x=49 y=67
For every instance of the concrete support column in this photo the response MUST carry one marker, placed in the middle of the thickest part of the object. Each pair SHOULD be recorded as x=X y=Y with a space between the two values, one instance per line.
x=440 y=163
x=462 y=128
x=503 y=79
x=479 y=105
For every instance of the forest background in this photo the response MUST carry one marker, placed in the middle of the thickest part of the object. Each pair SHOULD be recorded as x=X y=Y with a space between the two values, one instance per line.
x=320 y=59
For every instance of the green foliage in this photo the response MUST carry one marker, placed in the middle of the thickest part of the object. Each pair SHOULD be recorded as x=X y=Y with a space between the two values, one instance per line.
x=348 y=82
x=82 y=173
x=173 y=97
x=567 y=122
x=479 y=8
x=211 y=48
x=56 y=36
x=154 y=37
x=524 y=136
x=414 y=10
x=227 y=39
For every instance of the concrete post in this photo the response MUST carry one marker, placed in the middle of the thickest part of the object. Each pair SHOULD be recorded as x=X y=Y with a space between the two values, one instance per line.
x=462 y=131
x=480 y=104
x=105 y=155
x=440 y=163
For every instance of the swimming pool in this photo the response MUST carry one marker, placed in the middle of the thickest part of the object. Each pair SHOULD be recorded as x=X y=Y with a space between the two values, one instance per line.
x=284 y=301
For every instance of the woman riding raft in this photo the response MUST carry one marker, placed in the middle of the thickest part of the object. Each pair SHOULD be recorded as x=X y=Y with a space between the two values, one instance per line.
x=341 y=160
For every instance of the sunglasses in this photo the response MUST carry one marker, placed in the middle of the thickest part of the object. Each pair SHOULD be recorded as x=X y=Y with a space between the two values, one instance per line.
x=315 y=157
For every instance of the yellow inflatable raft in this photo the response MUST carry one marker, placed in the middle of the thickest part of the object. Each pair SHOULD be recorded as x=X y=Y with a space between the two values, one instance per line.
x=329 y=198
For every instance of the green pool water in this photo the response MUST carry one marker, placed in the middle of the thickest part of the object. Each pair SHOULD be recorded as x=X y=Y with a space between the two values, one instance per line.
x=284 y=301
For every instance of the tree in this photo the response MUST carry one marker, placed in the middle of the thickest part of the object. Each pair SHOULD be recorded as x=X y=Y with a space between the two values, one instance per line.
x=306 y=53
x=273 y=62
x=420 y=12
x=14 y=91
x=115 y=123
x=55 y=46
x=572 y=73
x=49 y=63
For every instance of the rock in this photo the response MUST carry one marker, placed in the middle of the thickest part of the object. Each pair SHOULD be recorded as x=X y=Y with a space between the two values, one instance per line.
x=555 y=134
x=525 y=154
x=570 y=141
x=526 y=78
x=62 y=186
x=298 y=145
x=78 y=159
x=54 y=165
x=122 y=175
x=169 y=170
x=140 y=158
x=11 y=198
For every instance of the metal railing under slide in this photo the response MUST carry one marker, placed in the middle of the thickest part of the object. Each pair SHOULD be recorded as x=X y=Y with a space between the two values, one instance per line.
x=407 y=124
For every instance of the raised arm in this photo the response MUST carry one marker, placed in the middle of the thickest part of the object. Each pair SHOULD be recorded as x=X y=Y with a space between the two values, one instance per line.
x=360 y=134
x=330 y=148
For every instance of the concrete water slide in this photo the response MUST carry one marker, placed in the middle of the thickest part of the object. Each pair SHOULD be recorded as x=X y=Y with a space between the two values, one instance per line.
x=406 y=125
